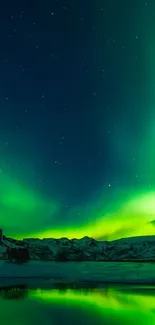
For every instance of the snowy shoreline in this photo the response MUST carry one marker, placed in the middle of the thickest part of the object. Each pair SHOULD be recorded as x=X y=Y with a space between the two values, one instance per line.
x=78 y=272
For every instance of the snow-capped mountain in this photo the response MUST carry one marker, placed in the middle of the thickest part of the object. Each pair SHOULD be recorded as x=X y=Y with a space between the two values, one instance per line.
x=84 y=249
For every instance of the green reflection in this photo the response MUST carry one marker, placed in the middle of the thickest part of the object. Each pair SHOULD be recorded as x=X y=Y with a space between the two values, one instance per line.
x=89 y=306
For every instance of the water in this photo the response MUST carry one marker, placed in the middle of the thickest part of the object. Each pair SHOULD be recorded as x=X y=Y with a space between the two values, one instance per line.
x=68 y=306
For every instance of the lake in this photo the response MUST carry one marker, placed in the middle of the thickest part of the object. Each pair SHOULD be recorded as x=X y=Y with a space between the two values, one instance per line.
x=78 y=305
x=107 y=272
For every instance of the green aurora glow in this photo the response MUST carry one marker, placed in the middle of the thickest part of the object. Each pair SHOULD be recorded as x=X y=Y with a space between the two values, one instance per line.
x=23 y=210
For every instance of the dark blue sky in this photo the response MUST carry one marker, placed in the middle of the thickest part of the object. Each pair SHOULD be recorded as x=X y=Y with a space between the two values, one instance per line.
x=73 y=96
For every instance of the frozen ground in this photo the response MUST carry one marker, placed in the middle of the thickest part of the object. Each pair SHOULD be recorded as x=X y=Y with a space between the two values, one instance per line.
x=69 y=272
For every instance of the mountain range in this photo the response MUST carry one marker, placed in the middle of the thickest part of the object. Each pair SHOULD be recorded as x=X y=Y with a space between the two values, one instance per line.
x=84 y=249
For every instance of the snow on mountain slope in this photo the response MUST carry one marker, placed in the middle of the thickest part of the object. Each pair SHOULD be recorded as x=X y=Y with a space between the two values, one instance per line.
x=85 y=249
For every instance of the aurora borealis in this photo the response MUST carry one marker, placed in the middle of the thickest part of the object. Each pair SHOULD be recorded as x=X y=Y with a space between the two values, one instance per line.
x=77 y=126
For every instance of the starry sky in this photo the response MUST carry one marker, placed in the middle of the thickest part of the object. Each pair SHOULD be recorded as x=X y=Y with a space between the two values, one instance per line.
x=77 y=118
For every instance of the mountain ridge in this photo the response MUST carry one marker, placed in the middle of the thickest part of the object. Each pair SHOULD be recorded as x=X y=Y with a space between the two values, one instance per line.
x=141 y=248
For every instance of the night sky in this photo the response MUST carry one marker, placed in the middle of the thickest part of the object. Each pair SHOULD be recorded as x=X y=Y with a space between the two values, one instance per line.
x=77 y=118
